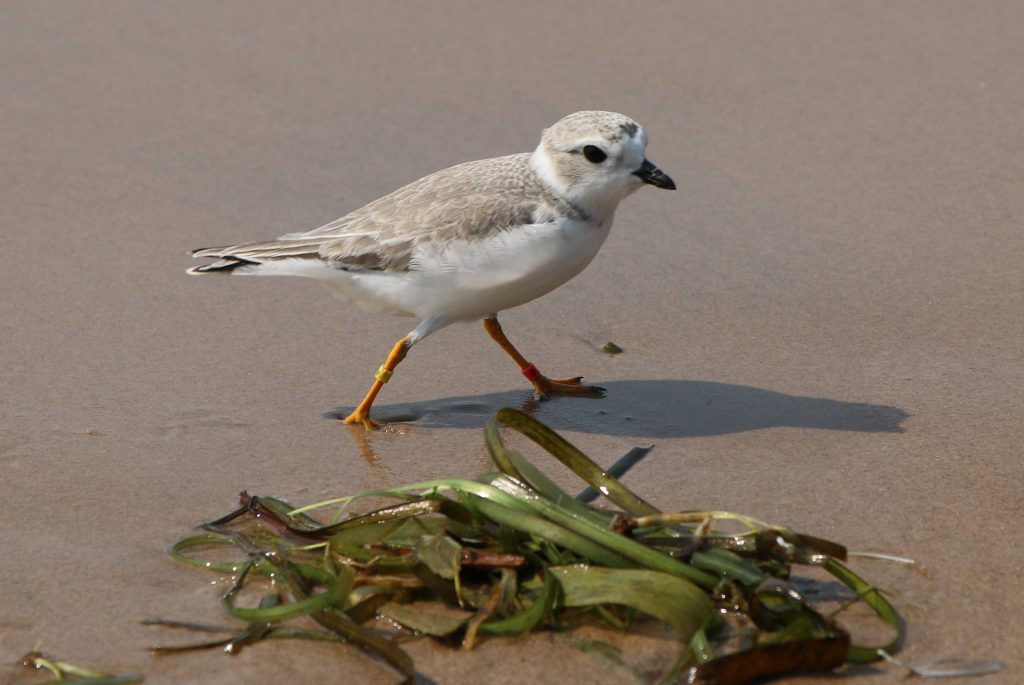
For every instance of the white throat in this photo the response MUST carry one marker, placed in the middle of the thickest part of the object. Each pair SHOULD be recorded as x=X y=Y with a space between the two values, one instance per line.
x=599 y=203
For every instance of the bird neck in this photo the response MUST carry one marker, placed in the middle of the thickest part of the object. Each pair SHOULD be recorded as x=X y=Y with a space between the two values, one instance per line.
x=594 y=203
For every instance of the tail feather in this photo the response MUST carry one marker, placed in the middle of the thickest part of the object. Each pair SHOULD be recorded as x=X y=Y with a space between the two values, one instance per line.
x=231 y=257
x=224 y=266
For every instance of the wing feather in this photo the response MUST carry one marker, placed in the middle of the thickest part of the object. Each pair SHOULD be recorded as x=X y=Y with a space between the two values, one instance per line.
x=466 y=202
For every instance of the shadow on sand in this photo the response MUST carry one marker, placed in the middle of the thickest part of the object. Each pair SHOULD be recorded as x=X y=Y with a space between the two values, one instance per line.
x=654 y=409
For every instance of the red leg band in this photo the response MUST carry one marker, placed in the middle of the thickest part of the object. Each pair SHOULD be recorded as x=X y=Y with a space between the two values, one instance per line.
x=531 y=372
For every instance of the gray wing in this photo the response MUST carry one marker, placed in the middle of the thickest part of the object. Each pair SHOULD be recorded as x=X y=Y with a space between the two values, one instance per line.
x=469 y=201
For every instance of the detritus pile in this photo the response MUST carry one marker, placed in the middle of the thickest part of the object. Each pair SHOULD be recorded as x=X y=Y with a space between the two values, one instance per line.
x=510 y=552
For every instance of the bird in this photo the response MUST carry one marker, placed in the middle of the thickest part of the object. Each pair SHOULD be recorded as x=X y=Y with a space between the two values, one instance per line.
x=470 y=241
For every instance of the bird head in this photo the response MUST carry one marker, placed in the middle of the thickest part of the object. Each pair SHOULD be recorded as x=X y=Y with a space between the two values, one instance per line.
x=595 y=159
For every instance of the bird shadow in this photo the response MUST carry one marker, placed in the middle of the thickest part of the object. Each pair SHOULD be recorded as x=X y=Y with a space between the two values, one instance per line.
x=653 y=409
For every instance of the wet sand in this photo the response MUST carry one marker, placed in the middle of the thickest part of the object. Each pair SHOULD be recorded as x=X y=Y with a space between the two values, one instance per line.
x=822 y=327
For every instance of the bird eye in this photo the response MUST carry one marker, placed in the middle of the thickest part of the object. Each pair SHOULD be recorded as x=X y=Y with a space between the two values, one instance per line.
x=594 y=154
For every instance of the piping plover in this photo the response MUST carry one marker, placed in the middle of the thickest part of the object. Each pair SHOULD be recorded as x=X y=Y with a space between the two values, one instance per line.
x=470 y=241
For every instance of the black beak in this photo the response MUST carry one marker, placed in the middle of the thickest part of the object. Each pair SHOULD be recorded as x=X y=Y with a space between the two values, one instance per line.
x=649 y=173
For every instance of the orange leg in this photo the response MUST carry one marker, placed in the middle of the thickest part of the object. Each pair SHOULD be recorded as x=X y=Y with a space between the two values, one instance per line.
x=361 y=414
x=542 y=385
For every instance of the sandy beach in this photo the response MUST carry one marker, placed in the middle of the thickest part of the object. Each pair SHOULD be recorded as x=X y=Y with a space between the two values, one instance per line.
x=822 y=327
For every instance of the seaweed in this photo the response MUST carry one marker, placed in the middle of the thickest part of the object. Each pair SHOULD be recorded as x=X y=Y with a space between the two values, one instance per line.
x=511 y=552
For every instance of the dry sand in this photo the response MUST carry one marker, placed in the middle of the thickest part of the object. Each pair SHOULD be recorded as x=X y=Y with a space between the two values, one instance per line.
x=823 y=325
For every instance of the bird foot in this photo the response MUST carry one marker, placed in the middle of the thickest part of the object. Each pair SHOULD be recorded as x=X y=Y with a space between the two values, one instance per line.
x=361 y=417
x=544 y=386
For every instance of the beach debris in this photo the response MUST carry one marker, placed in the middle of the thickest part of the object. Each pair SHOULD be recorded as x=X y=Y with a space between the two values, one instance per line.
x=611 y=348
x=66 y=673
x=511 y=552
